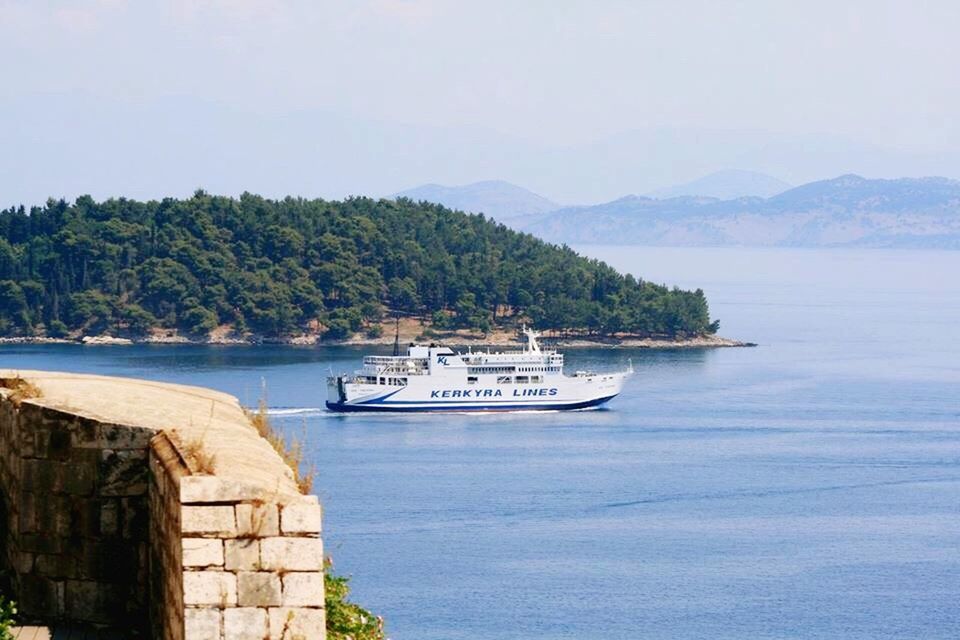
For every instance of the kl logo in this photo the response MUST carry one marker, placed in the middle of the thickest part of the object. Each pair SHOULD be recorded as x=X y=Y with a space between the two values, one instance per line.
x=442 y=360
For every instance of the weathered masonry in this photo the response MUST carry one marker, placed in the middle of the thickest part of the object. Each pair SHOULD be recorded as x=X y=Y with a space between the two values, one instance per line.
x=152 y=510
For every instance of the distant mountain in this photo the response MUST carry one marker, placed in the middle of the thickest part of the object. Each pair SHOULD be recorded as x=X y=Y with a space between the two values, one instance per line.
x=726 y=185
x=495 y=198
x=845 y=211
x=75 y=143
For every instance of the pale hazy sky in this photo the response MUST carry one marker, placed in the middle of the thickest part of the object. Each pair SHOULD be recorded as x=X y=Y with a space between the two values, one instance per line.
x=551 y=74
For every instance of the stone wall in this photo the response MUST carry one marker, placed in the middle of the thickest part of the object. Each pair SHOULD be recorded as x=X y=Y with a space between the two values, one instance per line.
x=75 y=491
x=154 y=510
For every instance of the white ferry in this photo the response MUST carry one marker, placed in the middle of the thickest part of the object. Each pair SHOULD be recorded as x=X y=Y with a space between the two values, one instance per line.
x=434 y=378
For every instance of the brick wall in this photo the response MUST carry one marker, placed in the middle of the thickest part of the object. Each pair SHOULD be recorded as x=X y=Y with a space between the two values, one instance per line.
x=108 y=525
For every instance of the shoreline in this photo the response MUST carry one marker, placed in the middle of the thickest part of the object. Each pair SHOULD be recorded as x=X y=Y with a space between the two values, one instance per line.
x=699 y=342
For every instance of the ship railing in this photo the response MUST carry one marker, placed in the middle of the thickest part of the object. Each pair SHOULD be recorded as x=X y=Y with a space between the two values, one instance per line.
x=397 y=370
x=391 y=359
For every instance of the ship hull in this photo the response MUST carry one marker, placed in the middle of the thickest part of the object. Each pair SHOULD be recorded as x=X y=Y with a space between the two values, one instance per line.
x=434 y=378
x=557 y=393
x=343 y=407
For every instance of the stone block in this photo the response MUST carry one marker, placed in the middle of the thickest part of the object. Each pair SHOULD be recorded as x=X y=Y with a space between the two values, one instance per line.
x=107 y=561
x=258 y=589
x=28 y=513
x=204 y=489
x=136 y=512
x=91 y=601
x=291 y=554
x=58 y=446
x=201 y=624
x=166 y=461
x=300 y=517
x=123 y=472
x=202 y=552
x=41 y=476
x=245 y=623
x=242 y=554
x=257 y=520
x=41 y=543
x=38 y=597
x=56 y=565
x=110 y=518
x=84 y=517
x=212 y=588
x=83 y=434
x=78 y=478
x=23 y=562
x=215 y=520
x=303 y=589
x=54 y=515
x=287 y=623
x=29 y=447
x=120 y=437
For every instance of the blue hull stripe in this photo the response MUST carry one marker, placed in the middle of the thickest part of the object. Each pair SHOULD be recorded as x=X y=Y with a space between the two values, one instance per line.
x=451 y=406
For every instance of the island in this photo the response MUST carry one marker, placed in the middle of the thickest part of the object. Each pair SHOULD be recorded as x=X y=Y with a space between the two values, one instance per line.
x=251 y=269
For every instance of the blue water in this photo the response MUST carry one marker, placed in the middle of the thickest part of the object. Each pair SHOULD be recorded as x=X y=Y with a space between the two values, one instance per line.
x=806 y=488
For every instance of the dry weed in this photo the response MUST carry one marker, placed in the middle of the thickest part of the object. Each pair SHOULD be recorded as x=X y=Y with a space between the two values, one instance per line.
x=22 y=389
x=291 y=450
x=198 y=459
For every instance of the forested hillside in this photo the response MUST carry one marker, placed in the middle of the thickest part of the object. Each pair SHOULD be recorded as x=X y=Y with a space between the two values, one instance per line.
x=279 y=268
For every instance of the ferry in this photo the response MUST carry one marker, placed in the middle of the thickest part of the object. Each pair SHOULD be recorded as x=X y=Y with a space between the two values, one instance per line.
x=435 y=378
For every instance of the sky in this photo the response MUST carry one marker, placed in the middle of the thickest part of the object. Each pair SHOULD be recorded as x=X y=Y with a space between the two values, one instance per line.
x=332 y=98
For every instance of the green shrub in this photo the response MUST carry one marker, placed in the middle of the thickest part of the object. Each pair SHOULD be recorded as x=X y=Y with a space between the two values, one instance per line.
x=440 y=319
x=199 y=321
x=337 y=329
x=57 y=329
x=8 y=610
x=346 y=620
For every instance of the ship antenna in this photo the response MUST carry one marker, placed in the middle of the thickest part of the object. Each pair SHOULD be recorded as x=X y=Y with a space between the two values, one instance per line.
x=396 y=334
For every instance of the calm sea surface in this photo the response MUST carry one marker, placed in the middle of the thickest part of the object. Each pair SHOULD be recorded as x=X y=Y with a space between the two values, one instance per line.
x=806 y=488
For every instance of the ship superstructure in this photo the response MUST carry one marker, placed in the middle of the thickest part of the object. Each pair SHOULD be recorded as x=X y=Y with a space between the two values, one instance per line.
x=435 y=378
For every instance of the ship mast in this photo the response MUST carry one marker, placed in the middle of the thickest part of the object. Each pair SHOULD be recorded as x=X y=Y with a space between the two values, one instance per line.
x=532 y=345
x=396 y=334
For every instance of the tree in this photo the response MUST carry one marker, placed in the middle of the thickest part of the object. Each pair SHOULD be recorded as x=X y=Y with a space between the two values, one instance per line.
x=91 y=311
x=403 y=294
x=138 y=320
x=13 y=306
x=278 y=267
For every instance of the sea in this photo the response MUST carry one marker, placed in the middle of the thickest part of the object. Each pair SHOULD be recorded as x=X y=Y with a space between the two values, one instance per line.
x=808 y=487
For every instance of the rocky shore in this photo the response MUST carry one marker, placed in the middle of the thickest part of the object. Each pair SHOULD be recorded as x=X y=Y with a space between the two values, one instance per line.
x=454 y=338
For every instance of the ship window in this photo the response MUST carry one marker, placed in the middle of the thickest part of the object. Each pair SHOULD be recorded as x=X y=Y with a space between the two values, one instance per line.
x=536 y=379
x=504 y=380
x=522 y=379
x=471 y=379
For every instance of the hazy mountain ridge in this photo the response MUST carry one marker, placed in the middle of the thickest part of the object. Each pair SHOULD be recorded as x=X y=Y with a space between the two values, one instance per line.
x=75 y=143
x=496 y=198
x=846 y=211
x=727 y=184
